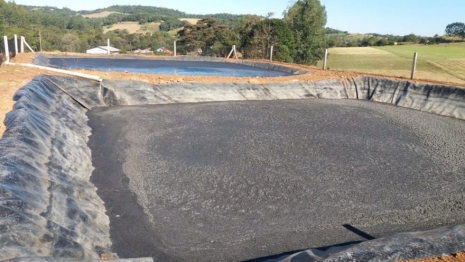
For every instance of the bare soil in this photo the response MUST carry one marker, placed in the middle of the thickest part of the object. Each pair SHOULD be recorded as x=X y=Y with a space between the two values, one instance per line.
x=14 y=77
x=460 y=257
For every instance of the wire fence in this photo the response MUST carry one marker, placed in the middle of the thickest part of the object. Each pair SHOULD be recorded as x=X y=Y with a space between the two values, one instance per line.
x=440 y=63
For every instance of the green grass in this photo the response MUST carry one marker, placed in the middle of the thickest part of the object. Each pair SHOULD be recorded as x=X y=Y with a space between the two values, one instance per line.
x=445 y=62
x=149 y=28
x=428 y=52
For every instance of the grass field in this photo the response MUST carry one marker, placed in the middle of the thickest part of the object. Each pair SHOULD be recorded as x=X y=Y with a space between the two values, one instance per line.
x=192 y=21
x=99 y=15
x=445 y=62
x=134 y=27
x=149 y=28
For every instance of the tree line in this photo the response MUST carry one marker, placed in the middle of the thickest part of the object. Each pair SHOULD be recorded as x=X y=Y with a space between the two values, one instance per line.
x=349 y=40
x=336 y=38
x=63 y=29
x=299 y=37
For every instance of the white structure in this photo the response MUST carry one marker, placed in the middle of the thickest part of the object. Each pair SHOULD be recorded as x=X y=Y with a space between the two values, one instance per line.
x=103 y=50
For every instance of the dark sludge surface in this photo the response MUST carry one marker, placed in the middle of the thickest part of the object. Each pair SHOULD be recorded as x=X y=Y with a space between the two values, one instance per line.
x=242 y=180
x=176 y=67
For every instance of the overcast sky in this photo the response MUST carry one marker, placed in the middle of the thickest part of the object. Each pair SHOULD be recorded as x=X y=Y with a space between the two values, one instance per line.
x=400 y=17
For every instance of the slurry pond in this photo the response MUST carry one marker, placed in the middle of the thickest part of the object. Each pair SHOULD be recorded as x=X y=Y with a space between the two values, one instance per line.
x=166 y=67
x=232 y=171
x=232 y=181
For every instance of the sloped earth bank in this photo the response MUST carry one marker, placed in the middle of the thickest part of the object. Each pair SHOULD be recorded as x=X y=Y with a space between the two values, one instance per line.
x=176 y=180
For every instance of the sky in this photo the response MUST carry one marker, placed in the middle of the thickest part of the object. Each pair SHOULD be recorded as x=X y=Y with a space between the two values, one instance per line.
x=397 y=17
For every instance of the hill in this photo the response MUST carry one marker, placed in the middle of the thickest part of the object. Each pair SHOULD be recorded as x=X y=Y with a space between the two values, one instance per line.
x=141 y=14
x=127 y=27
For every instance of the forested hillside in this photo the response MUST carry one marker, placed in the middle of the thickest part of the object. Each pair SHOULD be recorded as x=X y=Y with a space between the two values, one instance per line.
x=66 y=30
x=69 y=31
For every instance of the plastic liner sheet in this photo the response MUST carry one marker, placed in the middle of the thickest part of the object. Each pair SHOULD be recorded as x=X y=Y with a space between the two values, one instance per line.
x=195 y=68
x=437 y=99
x=52 y=259
x=402 y=246
x=48 y=207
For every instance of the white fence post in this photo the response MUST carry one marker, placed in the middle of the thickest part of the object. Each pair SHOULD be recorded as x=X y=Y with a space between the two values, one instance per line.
x=235 y=52
x=325 y=59
x=174 y=49
x=230 y=53
x=7 y=51
x=414 y=65
x=271 y=54
x=22 y=44
x=16 y=44
x=28 y=46
x=108 y=44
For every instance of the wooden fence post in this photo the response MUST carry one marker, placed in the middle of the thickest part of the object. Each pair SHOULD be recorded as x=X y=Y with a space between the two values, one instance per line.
x=40 y=41
x=414 y=65
x=325 y=59
x=174 y=51
x=271 y=54
x=22 y=44
x=7 y=51
x=16 y=44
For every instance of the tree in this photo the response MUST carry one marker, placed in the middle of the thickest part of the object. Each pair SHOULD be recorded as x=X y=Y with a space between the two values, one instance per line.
x=2 y=4
x=244 y=29
x=369 y=41
x=382 y=42
x=71 y=43
x=456 y=29
x=307 y=20
x=411 y=38
x=170 y=24
x=267 y=33
x=1 y=26
x=213 y=38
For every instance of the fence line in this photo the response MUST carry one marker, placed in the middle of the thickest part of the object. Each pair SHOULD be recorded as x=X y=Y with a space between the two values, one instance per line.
x=412 y=72
x=414 y=65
